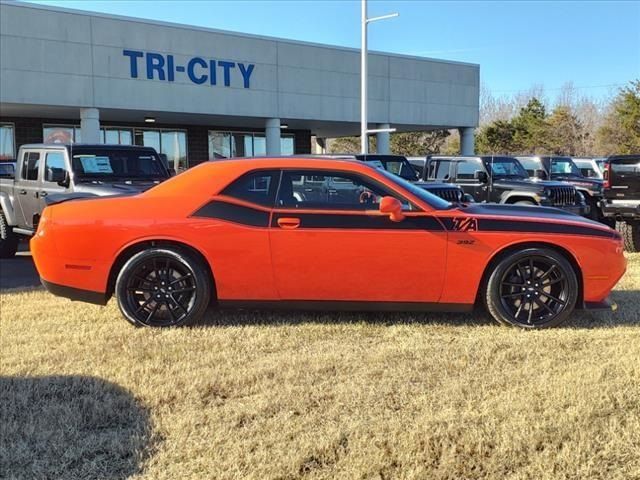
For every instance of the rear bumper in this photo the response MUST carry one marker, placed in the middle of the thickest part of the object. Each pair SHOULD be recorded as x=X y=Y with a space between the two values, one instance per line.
x=75 y=294
x=606 y=305
x=621 y=209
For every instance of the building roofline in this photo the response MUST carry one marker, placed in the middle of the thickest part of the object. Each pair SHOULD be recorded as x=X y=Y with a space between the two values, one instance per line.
x=86 y=13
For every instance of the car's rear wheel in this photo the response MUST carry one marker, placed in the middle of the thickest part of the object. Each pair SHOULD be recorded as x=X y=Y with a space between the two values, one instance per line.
x=630 y=232
x=533 y=288
x=8 y=239
x=163 y=287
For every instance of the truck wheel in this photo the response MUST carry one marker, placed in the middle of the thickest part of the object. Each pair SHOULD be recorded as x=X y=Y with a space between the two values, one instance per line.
x=630 y=232
x=533 y=288
x=8 y=239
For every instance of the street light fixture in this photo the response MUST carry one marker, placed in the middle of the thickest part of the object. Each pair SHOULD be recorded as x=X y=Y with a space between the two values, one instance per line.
x=364 y=132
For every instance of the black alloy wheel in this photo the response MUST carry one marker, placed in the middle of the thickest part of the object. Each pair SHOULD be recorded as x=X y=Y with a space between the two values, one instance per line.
x=163 y=288
x=536 y=288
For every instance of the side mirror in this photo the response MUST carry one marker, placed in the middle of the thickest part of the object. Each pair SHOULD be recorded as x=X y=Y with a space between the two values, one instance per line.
x=481 y=176
x=172 y=172
x=539 y=173
x=57 y=175
x=392 y=207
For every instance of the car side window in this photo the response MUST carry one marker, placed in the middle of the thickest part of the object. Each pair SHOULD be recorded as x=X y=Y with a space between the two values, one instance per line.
x=467 y=170
x=442 y=170
x=329 y=191
x=255 y=187
x=54 y=161
x=30 y=165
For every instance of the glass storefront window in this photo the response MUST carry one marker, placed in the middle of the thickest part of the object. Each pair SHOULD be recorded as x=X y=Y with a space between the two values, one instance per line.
x=7 y=142
x=116 y=136
x=172 y=143
x=61 y=134
x=244 y=144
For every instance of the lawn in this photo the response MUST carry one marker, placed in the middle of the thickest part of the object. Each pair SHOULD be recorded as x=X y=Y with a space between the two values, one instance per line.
x=266 y=395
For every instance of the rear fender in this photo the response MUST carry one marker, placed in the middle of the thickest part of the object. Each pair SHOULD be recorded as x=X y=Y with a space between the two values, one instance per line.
x=8 y=210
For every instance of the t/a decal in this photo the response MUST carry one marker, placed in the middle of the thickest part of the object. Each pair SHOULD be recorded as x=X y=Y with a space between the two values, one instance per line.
x=464 y=224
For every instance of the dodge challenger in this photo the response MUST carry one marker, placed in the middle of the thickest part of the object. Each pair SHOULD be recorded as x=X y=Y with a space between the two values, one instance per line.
x=255 y=233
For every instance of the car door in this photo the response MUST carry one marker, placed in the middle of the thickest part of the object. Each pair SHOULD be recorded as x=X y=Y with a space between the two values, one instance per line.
x=28 y=187
x=346 y=250
x=54 y=162
x=467 y=176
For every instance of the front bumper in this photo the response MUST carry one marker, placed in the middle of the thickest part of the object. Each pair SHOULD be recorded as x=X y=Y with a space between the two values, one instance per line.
x=621 y=209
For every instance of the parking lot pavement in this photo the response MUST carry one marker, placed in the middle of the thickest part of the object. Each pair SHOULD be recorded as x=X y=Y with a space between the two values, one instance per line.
x=18 y=271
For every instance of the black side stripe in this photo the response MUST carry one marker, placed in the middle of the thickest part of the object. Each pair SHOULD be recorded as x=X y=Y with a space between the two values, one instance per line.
x=233 y=213
x=359 y=222
x=493 y=225
x=456 y=224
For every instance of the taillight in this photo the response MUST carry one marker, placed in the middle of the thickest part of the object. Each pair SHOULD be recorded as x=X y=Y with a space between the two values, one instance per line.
x=606 y=175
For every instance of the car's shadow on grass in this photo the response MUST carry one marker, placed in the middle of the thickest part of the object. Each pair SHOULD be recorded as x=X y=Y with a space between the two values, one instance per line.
x=628 y=314
x=71 y=427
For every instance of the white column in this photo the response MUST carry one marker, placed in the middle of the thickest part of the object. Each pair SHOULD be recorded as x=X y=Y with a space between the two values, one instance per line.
x=90 y=125
x=467 y=141
x=382 y=140
x=272 y=134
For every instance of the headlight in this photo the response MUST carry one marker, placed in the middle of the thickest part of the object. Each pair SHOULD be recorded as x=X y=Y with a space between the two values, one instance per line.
x=547 y=192
x=580 y=197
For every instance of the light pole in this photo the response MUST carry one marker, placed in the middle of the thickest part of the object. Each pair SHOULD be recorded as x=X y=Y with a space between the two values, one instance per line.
x=364 y=132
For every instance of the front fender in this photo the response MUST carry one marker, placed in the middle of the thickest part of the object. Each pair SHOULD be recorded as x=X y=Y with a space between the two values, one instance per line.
x=8 y=210
x=506 y=196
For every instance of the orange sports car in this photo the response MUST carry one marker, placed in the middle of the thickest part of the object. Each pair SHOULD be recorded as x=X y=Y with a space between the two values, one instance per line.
x=327 y=234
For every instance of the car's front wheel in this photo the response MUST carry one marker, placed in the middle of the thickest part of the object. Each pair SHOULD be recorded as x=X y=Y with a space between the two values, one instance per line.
x=532 y=288
x=163 y=287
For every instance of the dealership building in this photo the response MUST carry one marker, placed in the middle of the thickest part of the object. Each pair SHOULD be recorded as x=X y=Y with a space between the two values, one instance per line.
x=199 y=94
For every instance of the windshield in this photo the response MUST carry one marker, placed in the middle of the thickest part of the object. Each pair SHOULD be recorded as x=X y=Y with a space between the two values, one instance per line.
x=400 y=167
x=112 y=164
x=564 y=167
x=505 y=167
x=433 y=200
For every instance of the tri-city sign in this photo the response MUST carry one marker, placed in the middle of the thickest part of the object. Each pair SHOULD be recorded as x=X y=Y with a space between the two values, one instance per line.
x=197 y=69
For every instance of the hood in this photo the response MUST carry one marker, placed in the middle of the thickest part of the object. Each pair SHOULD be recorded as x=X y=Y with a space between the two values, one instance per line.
x=436 y=185
x=594 y=184
x=532 y=184
x=522 y=218
x=119 y=188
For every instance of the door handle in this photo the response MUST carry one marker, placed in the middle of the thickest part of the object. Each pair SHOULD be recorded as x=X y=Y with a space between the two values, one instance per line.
x=23 y=192
x=331 y=190
x=43 y=194
x=288 y=223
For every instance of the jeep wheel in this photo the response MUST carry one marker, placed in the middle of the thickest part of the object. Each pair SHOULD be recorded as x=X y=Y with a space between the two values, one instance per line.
x=163 y=287
x=534 y=288
x=527 y=203
x=630 y=232
x=8 y=239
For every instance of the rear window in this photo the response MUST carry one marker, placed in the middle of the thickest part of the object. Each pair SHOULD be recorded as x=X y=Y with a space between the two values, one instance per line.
x=631 y=165
x=255 y=187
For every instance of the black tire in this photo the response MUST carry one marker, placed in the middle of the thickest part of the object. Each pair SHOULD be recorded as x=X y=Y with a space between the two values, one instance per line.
x=528 y=203
x=630 y=232
x=533 y=288
x=163 y=287
x=8 y=239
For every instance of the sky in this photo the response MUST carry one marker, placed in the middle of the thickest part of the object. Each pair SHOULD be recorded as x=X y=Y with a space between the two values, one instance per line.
x=594 y=45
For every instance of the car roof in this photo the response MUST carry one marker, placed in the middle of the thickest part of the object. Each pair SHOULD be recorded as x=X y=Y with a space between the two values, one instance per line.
x=633 y=156
x=63 y=146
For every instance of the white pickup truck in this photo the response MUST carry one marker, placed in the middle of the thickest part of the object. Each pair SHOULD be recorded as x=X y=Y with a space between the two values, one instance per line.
x=45 y=171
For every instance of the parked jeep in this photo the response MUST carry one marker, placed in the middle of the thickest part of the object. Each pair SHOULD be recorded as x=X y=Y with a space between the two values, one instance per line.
x=399 y=165
x=622 y=197
x=565 y=170
x=501 y=179
x=48 y=170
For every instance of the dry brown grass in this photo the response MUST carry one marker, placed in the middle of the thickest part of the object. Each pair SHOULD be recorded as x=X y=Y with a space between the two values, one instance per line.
x=263 y=395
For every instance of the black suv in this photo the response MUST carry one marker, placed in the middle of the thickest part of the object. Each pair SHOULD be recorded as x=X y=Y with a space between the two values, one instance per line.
x=400 y=166
x=565 y=170
x=622 y=197
x=500 y=179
